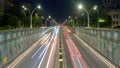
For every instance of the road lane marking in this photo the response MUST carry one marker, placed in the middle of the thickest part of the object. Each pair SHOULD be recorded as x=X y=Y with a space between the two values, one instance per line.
x=44 y=50
x=79 y=54
x=39 y=66
x=70 y=49
x=97 y=54
x=53 y=47
x=71 y=53
x=40 y=47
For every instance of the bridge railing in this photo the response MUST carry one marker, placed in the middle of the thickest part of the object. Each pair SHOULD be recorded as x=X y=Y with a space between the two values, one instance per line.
x=14 y=42
x=106 y=41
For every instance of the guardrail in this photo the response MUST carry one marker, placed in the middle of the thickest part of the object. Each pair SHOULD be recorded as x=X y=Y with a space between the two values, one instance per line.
x=13 y=42
x=106 y=41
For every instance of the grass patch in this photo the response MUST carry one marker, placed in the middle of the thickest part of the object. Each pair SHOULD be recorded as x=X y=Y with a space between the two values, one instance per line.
x=60 y=64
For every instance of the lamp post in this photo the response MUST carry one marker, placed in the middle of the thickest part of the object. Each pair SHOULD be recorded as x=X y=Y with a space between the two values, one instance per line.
x=31 y=13
x=88 y=13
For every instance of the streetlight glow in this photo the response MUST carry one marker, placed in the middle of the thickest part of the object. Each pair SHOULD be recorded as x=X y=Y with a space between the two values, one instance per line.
x=80 y=6
x=95 y=7
x=23 y=6
x=31 y=13
x=49 y=17
x=88 y=12
x=38 y=6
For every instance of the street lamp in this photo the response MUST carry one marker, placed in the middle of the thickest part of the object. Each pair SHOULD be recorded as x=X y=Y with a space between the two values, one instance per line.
x=88 y=12
x=31 y=13
x=49 y=17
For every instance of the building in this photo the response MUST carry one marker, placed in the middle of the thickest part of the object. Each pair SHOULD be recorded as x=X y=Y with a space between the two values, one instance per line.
x=112 y=8
x=108 y=5
x=115 y=15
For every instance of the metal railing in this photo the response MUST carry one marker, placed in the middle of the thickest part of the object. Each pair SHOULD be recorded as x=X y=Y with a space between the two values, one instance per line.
x=13 y=42
x=106 y=41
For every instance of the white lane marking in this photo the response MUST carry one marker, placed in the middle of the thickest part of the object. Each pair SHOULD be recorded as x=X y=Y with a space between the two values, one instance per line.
x=40 y=47
x=81 y=66
x=36 y=52
x=53 y=46
x=45 y=49
x=97 y=54
x=45 y=52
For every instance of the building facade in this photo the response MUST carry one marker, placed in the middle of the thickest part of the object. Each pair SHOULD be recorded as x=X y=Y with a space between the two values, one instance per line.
x=108 y=5
x=112 y=8
x=115 y=16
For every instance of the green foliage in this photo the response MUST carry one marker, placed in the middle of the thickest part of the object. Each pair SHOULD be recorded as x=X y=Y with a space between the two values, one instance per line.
x=107 y=21
x=12 y=20
x=104 y=21
x=1 y=14
x=70 y=23
x=77 y=24
x=37 y=21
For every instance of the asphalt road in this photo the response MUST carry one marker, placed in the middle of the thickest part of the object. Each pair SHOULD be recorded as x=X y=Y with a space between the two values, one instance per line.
x=41 y=54
x=80 y=55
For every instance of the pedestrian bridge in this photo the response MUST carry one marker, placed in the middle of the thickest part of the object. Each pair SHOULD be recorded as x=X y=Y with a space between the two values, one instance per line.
x=105 y=41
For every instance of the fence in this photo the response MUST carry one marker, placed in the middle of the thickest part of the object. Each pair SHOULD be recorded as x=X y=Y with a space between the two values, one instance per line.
x=106 y=41
x=14 y=42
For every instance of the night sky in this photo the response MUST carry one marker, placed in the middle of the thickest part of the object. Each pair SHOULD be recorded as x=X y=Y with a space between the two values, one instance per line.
x=61 y=9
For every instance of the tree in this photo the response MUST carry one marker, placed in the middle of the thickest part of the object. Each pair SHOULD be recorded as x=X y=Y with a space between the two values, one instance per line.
x=37 y=21
x=104 y=21
x=12 y=21
x=1 y=14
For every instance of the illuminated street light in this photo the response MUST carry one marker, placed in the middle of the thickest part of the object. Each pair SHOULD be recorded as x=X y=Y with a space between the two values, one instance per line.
x=80 y=6
x=88 y=13
x=38 y=6
x=31 y=13
x=95 y=7
x=23 y=6
x=49 y=17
